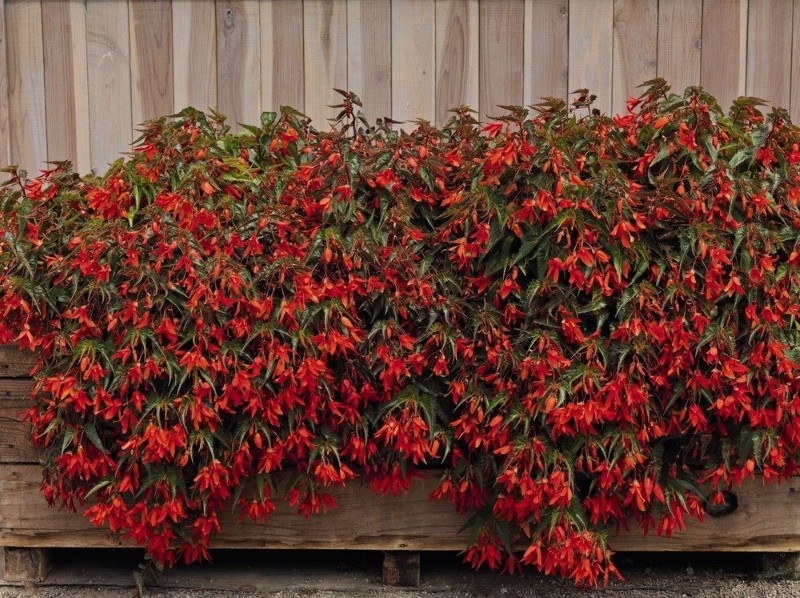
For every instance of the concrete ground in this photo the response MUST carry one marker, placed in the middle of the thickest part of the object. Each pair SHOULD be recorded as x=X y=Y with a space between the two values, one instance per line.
x=109 y=574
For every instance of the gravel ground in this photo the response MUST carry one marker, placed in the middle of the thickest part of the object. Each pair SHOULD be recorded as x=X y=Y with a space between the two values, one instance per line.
x=109 y=574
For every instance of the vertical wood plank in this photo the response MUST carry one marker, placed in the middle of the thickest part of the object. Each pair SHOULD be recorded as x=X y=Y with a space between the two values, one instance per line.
x=194 y=52
x=282 y=54
x=546 y=49
x=457 y=56
x=795 y=100
x=591 y=27
x=239 y=61
x=369 y=54
x=325 y=61
x=502 y=29
x=635 y=50
x=5 y=150
x=66 y=82
x=62 y=142
x=109 y=76
x=722 y=71
x=152 y=88
x=80 y=83
x=28 y=137
x=769 y=51
x=679 y=42
x=414 y=60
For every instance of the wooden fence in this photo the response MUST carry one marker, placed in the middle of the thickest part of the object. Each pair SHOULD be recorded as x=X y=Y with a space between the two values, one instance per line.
x=77 y=76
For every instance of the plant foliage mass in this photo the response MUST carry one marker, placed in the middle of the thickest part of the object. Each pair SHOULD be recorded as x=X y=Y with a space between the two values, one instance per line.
x=578 y=319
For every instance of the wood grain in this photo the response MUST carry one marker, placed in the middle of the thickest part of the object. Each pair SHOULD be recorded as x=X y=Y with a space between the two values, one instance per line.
x=414 y=60
x=65 y=78
x=680 y=25
x=724 y=55
x=15 y=363
x=457 y=56
x=152 y=86
x=26 y=98
x=239 y=61
x=795 y=100
x=15 y=446
x=109 y=76
x=282 y=54
x=635 y=48
x=591 y=29
x=5 y=148
x=194 y=54
x=769 y=51
x=546 y=50
x=767 y=520
x=26 y=565
x=325 y=60
x=369 y=55
x=502 y=27
x=361 y=521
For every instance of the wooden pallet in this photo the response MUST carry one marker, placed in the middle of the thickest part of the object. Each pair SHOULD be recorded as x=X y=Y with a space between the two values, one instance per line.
x=767 y=518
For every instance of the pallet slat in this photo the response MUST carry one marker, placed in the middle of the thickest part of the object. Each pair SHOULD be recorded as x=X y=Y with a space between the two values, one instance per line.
x=15 y=445
x=15 y=363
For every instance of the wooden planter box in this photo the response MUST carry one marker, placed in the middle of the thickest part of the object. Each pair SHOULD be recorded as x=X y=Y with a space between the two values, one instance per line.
x=767 y=518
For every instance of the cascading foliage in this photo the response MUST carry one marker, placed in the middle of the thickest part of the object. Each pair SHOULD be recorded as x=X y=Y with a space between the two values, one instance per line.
x=575 y=318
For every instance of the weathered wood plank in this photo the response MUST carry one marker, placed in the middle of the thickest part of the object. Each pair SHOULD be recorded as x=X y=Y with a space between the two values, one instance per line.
x=27 y=123
x=369 y=56
x=152 y=85
x=635 y=51
x=108 y=56
x=502 y=27
x=15 y=363
x=5 y=149
x=239 y=61
x=795 y=101
x=282 y=54
x=65 y=78
x=194 y=53
x=325 y=57
x=680 y=25
x=457 y=56
x=414 y=60
x=591 y=35
x=769 y=51
x=362 y=521
x=15 y=446
x=724 y=52
x=767 y=520
x=546 y=50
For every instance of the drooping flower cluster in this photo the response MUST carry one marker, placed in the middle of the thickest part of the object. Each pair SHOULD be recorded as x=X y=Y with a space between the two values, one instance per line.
x=576 y=318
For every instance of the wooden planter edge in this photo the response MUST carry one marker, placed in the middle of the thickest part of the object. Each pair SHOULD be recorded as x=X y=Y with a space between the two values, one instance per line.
x=766 y=520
